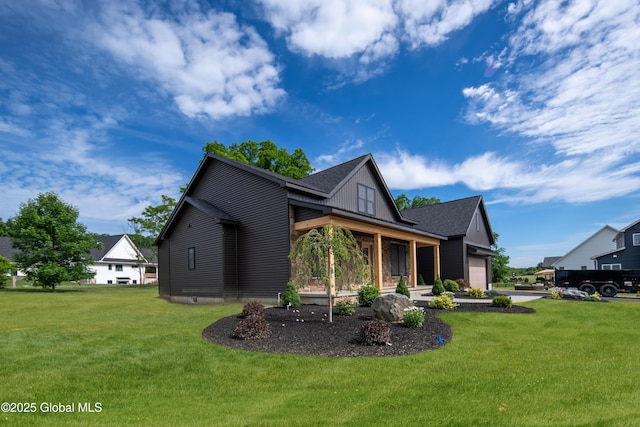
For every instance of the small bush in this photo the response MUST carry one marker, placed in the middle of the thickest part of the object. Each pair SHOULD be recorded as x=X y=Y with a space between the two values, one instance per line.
x=375 y=332
x=367 y=294
x=475 y=293
x=414 y=317
x=290 y=296
x=450 y=285
x=443 y=302
x=556 y=293
x=593 y=297
x=502 y=301
x=491 y=293
x=346 y=307
x=402 y=288
x=438 y=287
x=253 y=308
x=253 y=328
x=421 y=281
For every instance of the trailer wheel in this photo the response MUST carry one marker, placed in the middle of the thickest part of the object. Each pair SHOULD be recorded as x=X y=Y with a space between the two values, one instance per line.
x=608 y=290
x=588 y=288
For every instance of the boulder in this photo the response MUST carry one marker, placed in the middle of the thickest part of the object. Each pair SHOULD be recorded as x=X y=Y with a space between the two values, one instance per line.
x=574 y=294
x=391 y=307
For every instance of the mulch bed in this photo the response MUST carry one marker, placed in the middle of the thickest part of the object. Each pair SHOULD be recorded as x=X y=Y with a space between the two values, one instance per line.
x=307 y=331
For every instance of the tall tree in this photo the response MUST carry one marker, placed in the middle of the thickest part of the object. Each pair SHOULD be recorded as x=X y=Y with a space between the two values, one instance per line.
x=403 y=202
x=4 y=231
x=6 y=269
x=499 y=263
x=53 y=246
x=331 y=255
x=265 y=155
x=149 y=225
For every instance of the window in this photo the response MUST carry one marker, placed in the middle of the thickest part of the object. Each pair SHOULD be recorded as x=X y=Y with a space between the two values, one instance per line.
x=398 y=260
x=366 y=200
x=109 y=282
x=118 y=267
x=636 y=239
x=109 y=266
x=612 y=266
x=192 y=258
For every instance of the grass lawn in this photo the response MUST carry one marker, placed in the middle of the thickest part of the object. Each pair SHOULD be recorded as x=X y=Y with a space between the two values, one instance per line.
x=143 y=359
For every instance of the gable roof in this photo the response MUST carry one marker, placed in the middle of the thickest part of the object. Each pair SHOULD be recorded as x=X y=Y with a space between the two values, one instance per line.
x=6 y=248
x=451 y=219
x=548 y=261
x=593 y=236
x=107 y=243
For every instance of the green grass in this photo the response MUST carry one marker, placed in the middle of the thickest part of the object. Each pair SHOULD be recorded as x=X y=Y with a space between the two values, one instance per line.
x=570 y=364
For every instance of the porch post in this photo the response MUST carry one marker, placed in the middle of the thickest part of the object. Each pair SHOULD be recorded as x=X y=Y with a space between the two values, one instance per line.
x=413 y=262
x=377 y=242
x=436 y=262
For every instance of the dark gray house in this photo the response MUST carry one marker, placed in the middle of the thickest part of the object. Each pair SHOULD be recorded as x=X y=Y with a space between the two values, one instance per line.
x=232 y=230
x=626 y=255
x=467 y=251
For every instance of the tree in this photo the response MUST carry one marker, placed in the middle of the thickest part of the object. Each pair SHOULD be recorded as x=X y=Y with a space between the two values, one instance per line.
x=147 y=227
x=4 y=231
x=403 y=202
x=331 y=255
x=265 y=155
x=499 y=263
x=6 y=269
x=53 y=246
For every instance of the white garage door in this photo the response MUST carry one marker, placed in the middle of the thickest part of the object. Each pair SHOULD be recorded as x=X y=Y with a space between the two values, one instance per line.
x=478 y=272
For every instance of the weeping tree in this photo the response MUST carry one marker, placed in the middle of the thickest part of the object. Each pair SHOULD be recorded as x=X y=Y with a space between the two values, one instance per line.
x=331 y=255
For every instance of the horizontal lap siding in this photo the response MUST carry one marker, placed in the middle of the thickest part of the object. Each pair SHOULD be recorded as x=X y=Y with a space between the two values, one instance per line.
x=194 y=229
x=261 y=207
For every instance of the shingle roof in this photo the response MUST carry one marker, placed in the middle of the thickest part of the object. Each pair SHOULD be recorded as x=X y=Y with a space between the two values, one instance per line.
x=6 y=248
x=448 y=218
x=107 y=242
x=327 y=180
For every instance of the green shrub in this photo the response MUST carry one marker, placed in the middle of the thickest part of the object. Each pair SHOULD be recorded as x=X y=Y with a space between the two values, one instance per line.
x=475 y=293
x=252 y=328
x=491 y=293
x=253 y=308
x=593 y=297
x=502 y=301
x=450 y=285
x=421 y=281
x=290 y=295
x=367 y=294
x=402 y=288
x=443 y=302
x=375 y=332
x=414 y=317
x=438 y=287
x=556 y=293
x=346 y=307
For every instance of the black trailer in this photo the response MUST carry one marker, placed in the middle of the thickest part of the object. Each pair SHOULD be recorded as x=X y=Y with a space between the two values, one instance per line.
x=606 y=282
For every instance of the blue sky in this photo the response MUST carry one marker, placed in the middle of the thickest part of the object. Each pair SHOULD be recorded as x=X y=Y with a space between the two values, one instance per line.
x=533 y=104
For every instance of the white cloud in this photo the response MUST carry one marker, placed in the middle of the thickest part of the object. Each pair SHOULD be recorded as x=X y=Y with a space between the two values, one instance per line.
x=344 y=153
x=209 y=63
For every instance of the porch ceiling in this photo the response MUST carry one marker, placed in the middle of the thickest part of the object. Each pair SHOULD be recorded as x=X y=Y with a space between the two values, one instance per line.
x=368 y=228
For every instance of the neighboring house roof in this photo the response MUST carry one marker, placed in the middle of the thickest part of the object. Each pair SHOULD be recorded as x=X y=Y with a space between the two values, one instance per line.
x=548 y=261
x=108 y=243
x=451 y=219
x=6 y=248
x=593 y=237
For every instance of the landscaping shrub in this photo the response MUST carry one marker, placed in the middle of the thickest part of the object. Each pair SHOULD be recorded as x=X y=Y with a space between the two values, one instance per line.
x=502 y=301
x=475 y=293
x=367 y=294
x=593 y=297
x=491 y=293
x=414 y=317
x=438 y=287
x=443 y=302
x=556 y=293
x=421 y=281
x=253 y=308
x=402 y=288
x=253 y=328
x=346 y=307
x=450 y=285
x=290 y=295
x=375 y=332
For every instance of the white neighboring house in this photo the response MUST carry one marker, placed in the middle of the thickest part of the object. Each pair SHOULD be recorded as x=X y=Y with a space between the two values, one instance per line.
x=579 y=258
x=119 y=261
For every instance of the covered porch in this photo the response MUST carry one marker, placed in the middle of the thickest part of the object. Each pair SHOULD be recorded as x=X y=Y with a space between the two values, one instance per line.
x=391 y=251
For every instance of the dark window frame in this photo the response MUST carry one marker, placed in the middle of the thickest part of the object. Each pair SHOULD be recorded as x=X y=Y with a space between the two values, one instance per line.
x=398 y=260
x=191 y=258
x=366 y=200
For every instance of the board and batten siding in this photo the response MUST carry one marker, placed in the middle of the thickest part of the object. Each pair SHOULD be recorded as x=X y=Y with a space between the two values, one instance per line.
x=261 y=207
x=478 y=233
